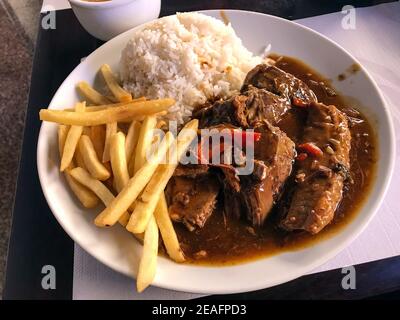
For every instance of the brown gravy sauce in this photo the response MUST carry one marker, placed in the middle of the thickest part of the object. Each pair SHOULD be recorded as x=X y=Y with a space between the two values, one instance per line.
x=353 y=69
x=229 y=241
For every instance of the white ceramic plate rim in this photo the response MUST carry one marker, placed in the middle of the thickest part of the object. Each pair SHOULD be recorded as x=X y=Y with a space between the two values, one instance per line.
x=239 y=286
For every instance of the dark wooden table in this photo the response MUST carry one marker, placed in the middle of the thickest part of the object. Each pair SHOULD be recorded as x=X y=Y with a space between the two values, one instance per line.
x=36 y=237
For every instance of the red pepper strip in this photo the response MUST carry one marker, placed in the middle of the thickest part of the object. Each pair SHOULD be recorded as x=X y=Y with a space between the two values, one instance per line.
x=311 y=149
x=254 y=136
x=302 y=156
x=299 y=103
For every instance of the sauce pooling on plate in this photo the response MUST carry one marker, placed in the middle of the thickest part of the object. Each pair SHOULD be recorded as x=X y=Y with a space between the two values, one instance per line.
x=224 y=240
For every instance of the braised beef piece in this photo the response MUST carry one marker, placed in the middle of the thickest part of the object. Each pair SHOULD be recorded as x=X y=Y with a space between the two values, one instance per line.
x=232 y=111
x=320 y=179
x=244 y=110
x=230 y=178
x=274 y=154
x=279 y=82
x=231 y=190
x=191 y=170
x=264 y=105
x=192 y=197
x=267 y=94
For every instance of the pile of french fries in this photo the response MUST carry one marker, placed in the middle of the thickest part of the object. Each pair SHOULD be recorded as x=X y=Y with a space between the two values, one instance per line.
x=102 y=163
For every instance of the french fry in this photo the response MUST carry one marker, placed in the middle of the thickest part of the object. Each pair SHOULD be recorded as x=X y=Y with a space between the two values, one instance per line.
x=125 y=216
x=148 y=262
x=184 y=139
x=132 y=138
x=105 y=195
x=118 y=161
x=167 y=230
x=145 y=206
x=144 y=210
x=115 y=88
x=72 y=139
x=106 y=106
x=144 y=142
x=127 y=111
x=111 y=129
x=98 y=137
x=84 y=178
x=111 y=214
x=90 y=94
x=124 y=219
x=92 y=163
x=79 y=158
x=62 y=136
x=84 y=195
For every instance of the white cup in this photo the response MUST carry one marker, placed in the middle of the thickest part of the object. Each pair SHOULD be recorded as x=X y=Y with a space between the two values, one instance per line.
x=107 y=19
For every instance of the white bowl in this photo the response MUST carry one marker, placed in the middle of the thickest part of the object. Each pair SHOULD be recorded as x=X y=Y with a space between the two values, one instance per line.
x=117 y=248
x=107 y=19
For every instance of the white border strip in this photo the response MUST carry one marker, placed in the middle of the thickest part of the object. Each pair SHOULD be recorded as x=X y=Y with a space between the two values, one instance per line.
x=53 y=5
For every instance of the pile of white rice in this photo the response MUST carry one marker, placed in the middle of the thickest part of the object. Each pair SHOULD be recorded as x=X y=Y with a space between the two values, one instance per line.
x=190 y=57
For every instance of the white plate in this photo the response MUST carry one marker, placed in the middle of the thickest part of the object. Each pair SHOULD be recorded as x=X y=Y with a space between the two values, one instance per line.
x=117 y=248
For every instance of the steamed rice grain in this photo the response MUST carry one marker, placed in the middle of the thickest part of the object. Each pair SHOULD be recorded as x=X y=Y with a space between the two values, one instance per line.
x=190 y=57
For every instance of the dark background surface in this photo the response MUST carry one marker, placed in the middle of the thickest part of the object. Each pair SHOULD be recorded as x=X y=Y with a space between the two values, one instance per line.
x=38 y=240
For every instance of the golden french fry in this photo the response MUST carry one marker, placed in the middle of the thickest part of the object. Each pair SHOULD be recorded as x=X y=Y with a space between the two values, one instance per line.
x=92 y=163
x=111 y=214
x=113 y=85
x=79 y=158
x=144 y=210
x=127 y=111
x=148 y=262
x=111 y=129
x=167 y=230
x=141 y=118
x=118 y=161
x=106 y=106
x=91 y=94
x=148 y=200
x=124 y=219
x=98 y=137
x=132 y=138
x=84 y=195
x=84 y=178
x=144 y=142
x=105 y=195
x=62 y=136
x=72 y=140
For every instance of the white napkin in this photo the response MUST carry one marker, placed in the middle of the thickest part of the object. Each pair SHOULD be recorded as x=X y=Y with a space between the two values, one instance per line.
x=376 y=43
x=51 y=5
